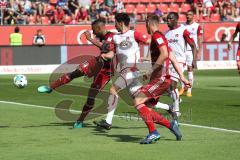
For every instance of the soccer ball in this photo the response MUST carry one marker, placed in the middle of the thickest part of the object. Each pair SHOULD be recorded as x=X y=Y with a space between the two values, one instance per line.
x=20 y=81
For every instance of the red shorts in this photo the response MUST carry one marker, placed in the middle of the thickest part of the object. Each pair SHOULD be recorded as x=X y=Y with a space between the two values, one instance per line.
x=155 y=88
x=87 y=65
x=91 y=66
x=238 y=56
x=101 y=79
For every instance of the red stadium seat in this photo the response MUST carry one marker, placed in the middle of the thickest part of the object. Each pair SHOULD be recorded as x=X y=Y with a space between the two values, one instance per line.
x=151 y=8
x=141 y=8
x=185 y=7
x=163 y=7
x=174 y=7
x=182 y=18
x=144 y=1
x=155 y=1
x=133 y=1
x=124 y=1
x=238 y=4
x=167 y=1
x=53 y=1
x=180 y=1
x=130 y=8
x=45 y=20
x=215 y=17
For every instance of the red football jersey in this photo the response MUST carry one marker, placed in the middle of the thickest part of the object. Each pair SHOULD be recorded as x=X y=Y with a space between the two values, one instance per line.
x=159 y=40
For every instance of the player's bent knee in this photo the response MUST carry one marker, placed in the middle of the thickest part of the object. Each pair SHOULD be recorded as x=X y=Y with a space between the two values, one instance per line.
x=139 y=99
x=76 y=73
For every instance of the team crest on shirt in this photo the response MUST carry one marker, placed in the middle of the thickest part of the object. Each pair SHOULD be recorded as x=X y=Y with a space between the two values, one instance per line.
x=160 y=41
x=176 y=35
x=125 y=44
x=109 y=39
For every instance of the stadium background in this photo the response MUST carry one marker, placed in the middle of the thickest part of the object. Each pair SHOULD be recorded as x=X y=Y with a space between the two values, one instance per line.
x=67 y=41
x=64 y=21
x=30 y=129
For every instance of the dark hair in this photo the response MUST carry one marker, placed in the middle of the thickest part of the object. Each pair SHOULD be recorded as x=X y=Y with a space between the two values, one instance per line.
x=16 y=29
x=98 y=21
x=122 y=17
x=153 y=18
x=175 y=14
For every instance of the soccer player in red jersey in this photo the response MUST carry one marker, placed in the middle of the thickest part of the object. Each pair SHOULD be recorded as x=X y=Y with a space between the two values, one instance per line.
x=96 y=67
x=160 y=81
x=237 y=30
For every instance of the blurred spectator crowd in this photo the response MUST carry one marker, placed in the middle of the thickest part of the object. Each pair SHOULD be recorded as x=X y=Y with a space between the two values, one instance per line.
x=84 y=11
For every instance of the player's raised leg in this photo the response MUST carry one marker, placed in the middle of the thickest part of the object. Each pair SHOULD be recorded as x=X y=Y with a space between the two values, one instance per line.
x=64 y=79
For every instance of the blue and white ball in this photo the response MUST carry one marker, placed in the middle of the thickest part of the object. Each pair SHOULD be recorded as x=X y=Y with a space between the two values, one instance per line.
x=20 y=81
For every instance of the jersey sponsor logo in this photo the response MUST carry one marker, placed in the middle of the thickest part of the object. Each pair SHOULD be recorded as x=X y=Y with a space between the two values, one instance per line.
x=160 y=41
x=173 y=41
x=125 y=44
x=109 y=39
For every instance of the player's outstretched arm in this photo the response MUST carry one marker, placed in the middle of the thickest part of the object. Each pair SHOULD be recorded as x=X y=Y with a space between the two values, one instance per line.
x=93 y=41
x=233 y=37
x=177 y=68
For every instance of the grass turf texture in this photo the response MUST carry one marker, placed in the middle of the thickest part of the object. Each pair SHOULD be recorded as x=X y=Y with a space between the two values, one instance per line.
x=35 y=133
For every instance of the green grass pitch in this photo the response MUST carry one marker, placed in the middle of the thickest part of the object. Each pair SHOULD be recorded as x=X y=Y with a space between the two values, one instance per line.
x=30 y=132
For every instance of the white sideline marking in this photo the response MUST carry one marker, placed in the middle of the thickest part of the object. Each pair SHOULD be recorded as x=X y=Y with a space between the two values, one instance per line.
x=184 y=124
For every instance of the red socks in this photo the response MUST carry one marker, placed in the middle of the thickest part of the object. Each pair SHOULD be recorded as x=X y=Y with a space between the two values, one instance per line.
x=150 y=117
x=160 y=119
x=60 y=81
x=145 y=114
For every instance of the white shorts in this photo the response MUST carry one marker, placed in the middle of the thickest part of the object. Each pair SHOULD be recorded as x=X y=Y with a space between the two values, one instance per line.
x=128 y=78
x=173 y=73
x=189 y=58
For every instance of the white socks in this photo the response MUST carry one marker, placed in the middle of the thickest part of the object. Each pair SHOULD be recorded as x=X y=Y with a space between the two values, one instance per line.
x=112 y=105
x=162 y=106
x=175 y=97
